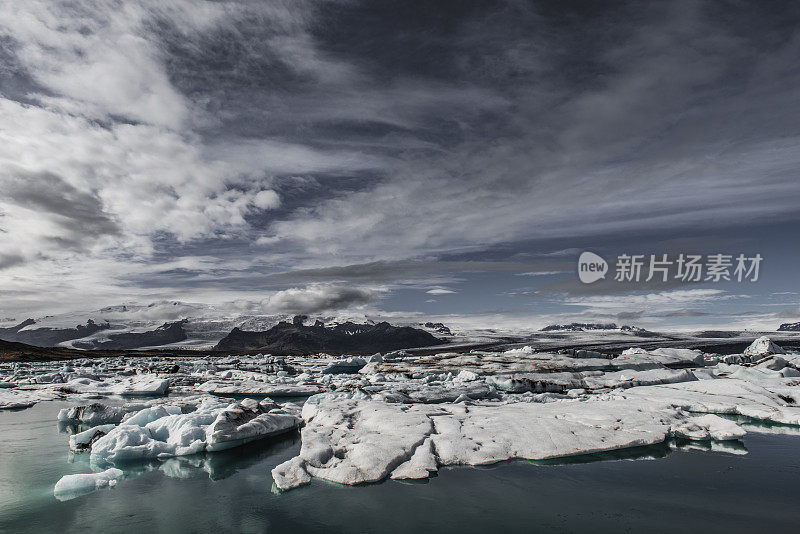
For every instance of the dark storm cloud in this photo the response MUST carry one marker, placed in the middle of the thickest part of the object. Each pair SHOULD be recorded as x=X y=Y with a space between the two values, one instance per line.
x=79 y=216
x=603 y=117
x=317 y=298
x=686 y=313
x=788 y=314
x=10 y=260
x=630 y=315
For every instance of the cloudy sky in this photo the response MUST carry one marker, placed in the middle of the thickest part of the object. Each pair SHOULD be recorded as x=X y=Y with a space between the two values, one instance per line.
x=439 y=159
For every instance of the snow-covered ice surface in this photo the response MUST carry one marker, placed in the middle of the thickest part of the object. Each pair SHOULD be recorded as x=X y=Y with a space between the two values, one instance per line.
x=403 y=416
x=353 y=441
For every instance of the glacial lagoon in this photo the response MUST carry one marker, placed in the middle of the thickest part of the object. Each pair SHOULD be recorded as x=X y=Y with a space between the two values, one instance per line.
x=750 y=485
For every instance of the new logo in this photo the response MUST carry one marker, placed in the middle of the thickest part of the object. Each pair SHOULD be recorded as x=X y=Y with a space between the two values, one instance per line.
x=591 y=267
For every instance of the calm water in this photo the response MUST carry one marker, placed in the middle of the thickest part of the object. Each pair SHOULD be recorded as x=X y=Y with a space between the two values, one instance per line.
x=230 y=491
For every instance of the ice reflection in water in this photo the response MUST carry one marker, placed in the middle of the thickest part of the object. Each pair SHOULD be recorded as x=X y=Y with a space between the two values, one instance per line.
x=229 y=491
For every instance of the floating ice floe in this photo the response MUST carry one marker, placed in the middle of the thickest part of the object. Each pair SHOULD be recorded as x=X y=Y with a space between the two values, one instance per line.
x=136 y=385
x=358 y=440
x=15 y=399
x=256 y=388
x=71 y=486
x=640 y=359
x=164 y=431
x=91 y=414
x=403 y=417
x=236 y=425
x=727 y=396
x=344 y=366
x=707 y=427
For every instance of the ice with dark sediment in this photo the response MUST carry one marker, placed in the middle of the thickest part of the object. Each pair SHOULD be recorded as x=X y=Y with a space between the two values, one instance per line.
x=91 y=414
x=344 y=366
x=250 y=420
x=82 y=441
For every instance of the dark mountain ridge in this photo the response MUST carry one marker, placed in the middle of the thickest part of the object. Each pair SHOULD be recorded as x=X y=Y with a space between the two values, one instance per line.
x=352 y=338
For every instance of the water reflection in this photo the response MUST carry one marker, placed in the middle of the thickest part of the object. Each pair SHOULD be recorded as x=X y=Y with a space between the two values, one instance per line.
x=216 y=465
x=228 y=491
x=764 y=427
x=648 y=452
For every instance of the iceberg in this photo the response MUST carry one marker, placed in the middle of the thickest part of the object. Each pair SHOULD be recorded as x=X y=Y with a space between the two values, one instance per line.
x=761 y=347
x=71 y=486
x=164 y=431
x=91 y=414
x=364 y=439
x=16 y=399
x=137 y=385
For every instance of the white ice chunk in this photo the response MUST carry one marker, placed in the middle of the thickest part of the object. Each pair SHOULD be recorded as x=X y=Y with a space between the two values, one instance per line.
x=214 y=425
x=148 y=415
x=291 y=474
x=71 y=486
x=725 y=396
x=128 y=442
x=708 y=426
x=91 y=414
x=637 y=358
x=350 y=439
x=762 y=346
x=146 y=384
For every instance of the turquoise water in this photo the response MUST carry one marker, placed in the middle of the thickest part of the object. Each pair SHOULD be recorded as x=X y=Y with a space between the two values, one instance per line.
x=231 y=491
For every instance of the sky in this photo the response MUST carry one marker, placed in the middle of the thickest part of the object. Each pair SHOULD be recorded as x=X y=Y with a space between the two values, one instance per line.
x=447 y=160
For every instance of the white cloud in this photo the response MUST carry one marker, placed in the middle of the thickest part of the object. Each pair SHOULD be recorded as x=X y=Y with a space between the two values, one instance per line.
x=104 y=157
x=98 y=57
x=266 y=200
x=661 y=301
x=440 y=291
